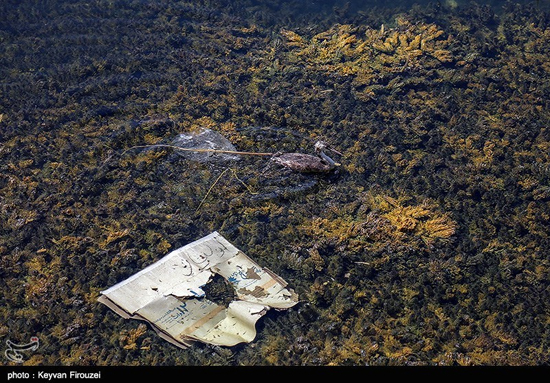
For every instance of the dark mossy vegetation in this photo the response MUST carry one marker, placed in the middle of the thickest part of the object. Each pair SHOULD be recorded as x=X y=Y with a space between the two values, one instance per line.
x=428 y=245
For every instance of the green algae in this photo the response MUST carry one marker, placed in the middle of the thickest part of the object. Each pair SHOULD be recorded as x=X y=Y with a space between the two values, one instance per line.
x=429 y=245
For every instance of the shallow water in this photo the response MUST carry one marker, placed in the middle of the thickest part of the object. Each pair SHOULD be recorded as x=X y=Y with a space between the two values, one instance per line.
x=427 y=245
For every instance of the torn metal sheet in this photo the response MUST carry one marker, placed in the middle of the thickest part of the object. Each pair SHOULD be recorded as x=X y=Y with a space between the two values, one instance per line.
x=168 y=294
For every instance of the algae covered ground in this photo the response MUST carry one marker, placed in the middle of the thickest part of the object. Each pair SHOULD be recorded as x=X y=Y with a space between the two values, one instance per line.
x=428 y=245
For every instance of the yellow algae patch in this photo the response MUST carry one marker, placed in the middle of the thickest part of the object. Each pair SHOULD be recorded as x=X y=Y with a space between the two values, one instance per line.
x=383 y=220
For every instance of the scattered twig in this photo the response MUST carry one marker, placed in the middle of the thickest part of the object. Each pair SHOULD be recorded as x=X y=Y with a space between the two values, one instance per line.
x=198 y=150
x=220 y=151
x=216 y=181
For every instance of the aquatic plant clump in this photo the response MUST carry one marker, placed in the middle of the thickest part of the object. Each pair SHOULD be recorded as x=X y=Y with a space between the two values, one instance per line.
x=373 y=57
x=427 y=245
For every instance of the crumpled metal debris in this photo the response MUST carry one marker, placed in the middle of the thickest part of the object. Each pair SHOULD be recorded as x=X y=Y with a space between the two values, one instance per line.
x=168 y=294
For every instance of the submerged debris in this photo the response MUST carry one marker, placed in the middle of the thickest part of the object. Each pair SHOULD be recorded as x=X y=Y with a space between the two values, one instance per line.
x=205 y=139
x=306 y=163
x=169 y=294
